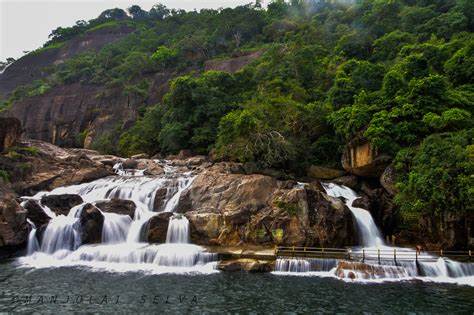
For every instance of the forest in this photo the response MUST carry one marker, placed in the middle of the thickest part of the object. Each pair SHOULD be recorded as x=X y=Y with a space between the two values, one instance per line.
x=398 y=73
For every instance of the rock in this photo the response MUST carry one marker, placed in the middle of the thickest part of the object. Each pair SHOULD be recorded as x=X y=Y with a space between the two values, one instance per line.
x=13 y=226
x=362 y=202
x=362 y=159
x=320 y=172
x=232 y=209
x=61 y=204
x=43 y=167
x=387 y=180
x=354 y=270
x=92 y=222
x=130 y=164
x=10 y=132
x=150 y=167
x=350 y=181
x=244 y=264
x=232 y=64
x=160 y=197
x=157 y=227
x=118 y=206
x=140 y=156
x=35 y=213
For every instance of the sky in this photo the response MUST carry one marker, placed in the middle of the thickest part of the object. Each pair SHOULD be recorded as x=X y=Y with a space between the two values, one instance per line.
x=26 y=24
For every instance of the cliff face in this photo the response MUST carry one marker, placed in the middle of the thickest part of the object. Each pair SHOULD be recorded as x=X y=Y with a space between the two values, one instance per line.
x=34 y=65
x=64 y=112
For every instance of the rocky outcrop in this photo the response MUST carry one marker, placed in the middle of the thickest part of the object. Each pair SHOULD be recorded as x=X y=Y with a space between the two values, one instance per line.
x=36 y=166
x=10 y=132
x=13 y=226
x=231 y=209
x=232 y=64
x=387 y=180
x=35 y=213
x=92 y=222
x=362 y=159
x=61 y=204
x=245 y=264
x=33 y=65
x=320 y=172
x=119 y=206
x=157 y=227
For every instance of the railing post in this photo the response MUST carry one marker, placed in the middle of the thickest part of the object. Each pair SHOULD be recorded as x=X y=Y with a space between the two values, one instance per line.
x=378 y=254
x=395 y=256
x=470 y=255
x=363 y=255
x=441 y=253
x=416 y=256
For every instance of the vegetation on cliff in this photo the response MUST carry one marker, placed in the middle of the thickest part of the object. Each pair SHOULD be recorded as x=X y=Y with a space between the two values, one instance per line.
x=397 y=72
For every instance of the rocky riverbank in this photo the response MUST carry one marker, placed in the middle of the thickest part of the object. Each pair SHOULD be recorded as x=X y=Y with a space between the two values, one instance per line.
x=227 y=204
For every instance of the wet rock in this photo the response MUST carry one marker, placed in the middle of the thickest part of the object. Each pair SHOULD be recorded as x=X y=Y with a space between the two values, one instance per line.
x=10 y=132
x=243 y=264
x=150 y=167
x=205 y=228
x=118 y=206
x=61 y=204
x=130 y=164
x=92 y=222
x=350 y=181
x=35 y=213
x=160 y=198
x=13 y=226
x=157 y=227
x=362 y=202
x=320 y=172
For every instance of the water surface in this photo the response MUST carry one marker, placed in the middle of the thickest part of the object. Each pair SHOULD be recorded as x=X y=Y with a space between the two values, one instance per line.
x=218 y=293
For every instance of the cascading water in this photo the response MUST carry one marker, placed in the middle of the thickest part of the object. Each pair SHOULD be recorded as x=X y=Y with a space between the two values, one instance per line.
x=368 y=231
x=377 y=266
x=121 y=249
x=33 y=244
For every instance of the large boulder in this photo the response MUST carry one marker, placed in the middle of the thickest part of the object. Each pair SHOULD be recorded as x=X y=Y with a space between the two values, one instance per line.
x=119 y=206
x=13 y=226
x=157 y=227
x=35 y=213
x=61 y=204
x=230 y=209
x=10 y=132
x=320 y=172
x=245 y=264
x=92 y=222
x=362 y=159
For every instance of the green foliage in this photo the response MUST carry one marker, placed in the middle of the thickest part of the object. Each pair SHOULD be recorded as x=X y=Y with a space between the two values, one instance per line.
x=5 y=176
x=437 y=176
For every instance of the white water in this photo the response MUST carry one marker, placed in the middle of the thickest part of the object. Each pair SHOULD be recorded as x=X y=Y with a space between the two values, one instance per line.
x=429 y=268
x=33 y=244
x=121 y=249
x=368 y=231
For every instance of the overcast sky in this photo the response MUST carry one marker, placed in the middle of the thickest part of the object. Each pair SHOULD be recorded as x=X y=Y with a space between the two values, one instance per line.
x=26 y=24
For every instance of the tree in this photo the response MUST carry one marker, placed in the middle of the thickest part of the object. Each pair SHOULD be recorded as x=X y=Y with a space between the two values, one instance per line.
x=137 y=13
x=159 y=11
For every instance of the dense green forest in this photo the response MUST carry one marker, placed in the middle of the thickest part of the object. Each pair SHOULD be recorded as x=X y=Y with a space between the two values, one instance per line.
x=396 y=72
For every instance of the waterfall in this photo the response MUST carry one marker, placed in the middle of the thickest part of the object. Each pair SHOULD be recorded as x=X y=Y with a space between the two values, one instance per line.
x=115 y=228
x=178 y=230
x=62 y=232
x=121 y=248
x=368 y=231
x=33 y=244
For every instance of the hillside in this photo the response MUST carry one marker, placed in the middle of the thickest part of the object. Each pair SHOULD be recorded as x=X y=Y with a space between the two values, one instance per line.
x=380 y=90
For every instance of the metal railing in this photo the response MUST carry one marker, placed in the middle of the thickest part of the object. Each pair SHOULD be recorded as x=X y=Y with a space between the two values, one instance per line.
x=371 y=254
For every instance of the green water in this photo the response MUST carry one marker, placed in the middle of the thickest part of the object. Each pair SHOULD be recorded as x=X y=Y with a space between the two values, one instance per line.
x=81 y=290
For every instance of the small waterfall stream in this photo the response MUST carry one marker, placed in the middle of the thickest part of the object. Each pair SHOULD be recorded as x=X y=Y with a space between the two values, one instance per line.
x=120 y=248
x=428 y=268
